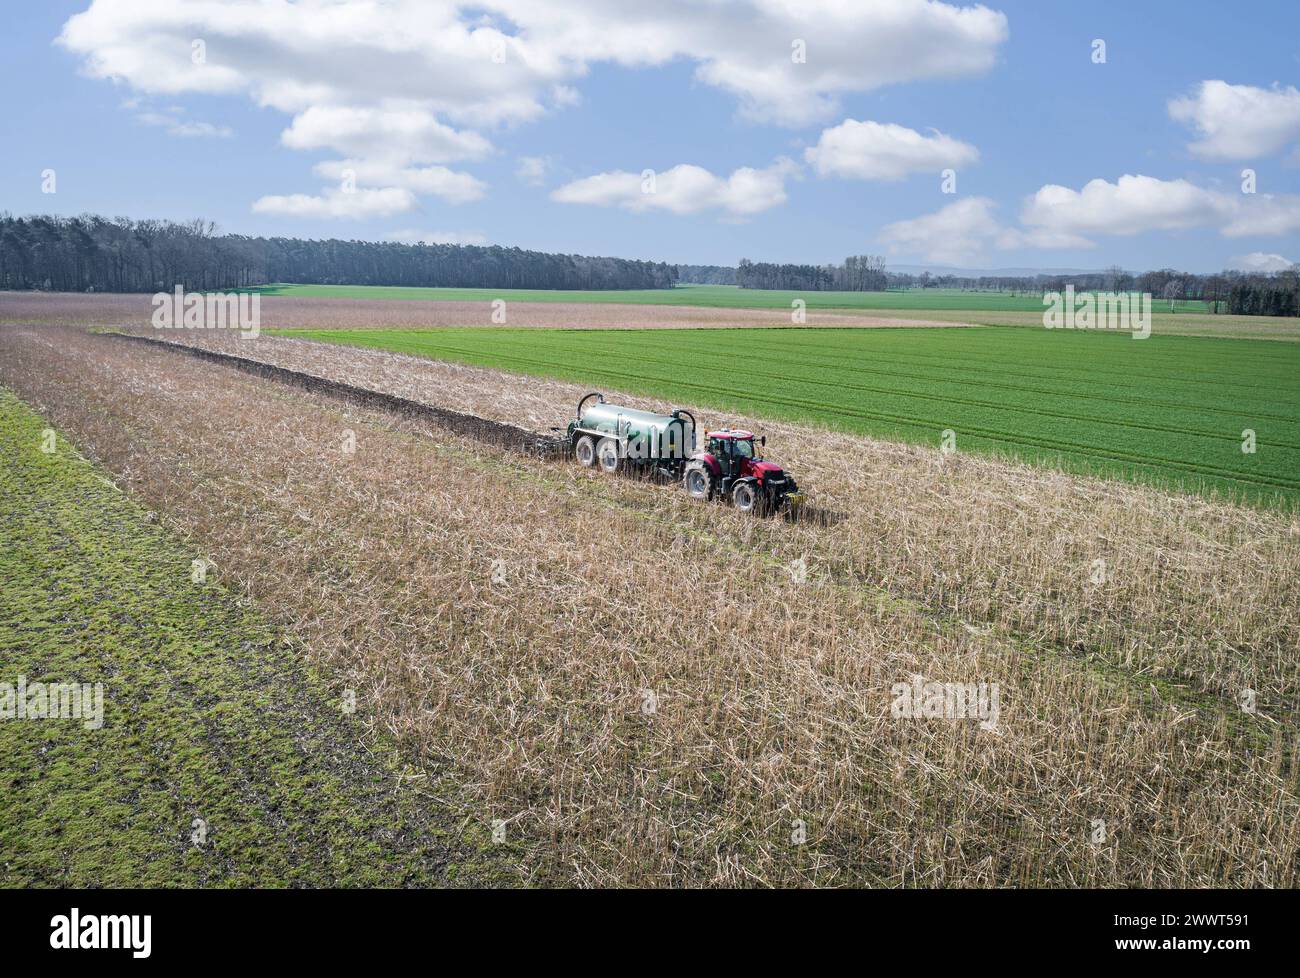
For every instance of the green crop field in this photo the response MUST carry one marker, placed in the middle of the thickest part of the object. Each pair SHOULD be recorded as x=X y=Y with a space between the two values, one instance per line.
x=220 y=759
x=709 y=296
x=1168 y=409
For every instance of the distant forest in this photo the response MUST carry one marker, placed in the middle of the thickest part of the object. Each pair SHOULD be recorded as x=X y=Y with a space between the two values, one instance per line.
x=859 y=273
x=91 y=253
x=1233 y=292
x=706 y=275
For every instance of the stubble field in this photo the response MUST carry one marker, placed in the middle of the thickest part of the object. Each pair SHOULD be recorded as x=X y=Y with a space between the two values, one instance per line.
x=646 y=690
x=366 y=307
x=370 y=310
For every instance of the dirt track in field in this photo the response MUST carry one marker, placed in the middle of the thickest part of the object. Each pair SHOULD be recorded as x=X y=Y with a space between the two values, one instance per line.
x=297 y=312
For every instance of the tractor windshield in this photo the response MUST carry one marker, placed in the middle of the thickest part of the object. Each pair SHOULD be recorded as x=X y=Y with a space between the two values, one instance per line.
x=744 y=447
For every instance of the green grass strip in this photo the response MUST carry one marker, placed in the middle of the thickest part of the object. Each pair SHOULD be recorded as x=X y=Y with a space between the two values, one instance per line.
x=207 y=715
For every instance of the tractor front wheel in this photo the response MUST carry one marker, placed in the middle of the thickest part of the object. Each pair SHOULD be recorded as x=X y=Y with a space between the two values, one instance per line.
x=745 y=497
x=698 y=481
x=585 y=451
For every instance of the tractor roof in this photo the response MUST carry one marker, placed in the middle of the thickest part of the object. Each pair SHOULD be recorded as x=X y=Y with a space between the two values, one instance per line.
x=730 y=433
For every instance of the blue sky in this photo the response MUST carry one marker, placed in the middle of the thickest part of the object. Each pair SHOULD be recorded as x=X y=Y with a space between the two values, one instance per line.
x=434 y=141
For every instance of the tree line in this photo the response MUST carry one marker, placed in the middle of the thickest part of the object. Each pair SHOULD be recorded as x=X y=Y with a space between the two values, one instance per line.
x=1229 y=292
x=859 y=273
x=93 y=253
x=706 y=274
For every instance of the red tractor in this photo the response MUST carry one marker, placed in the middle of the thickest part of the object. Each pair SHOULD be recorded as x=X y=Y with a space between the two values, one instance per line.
x=730 y=467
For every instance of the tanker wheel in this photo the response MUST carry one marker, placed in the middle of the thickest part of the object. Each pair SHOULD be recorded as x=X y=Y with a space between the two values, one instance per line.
x=745 y=497
x=698 y=481
x=585 y=451
x=607 y=453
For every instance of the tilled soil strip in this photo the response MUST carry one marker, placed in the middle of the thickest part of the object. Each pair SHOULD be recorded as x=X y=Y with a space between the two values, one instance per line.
x=468 y=425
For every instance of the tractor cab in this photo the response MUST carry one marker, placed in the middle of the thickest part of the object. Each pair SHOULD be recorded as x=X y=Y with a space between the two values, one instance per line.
x=733 y=449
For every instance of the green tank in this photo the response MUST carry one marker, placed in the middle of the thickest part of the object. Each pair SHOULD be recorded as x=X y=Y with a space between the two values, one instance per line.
x=640 y=434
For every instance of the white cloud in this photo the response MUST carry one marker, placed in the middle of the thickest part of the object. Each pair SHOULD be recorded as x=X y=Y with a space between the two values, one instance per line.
x=850 y=47
x=1135 y=204
x=360 y=204
x=319 y=53
x=565 y=96
x=200 y=129
x=1059 y=217
x=393 y=81
x=965 y=231
x=1011 y=239
x=532 y=170
x=1239 y=122
x=1263 y=214
x=507 y=60
x=747 y=47
x=1259 y=261
x=957 y=234
x=172 y=119
x=402 y=134
x=1131 y=205
x=684 y=189
x=411 y=236
x=452 y=186
x=884 y=151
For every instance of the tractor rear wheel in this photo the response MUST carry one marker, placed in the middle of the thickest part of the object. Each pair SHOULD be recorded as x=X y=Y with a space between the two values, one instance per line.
x=698 y=481
x=585 y=451
x=607 y=453
x=745 y=497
